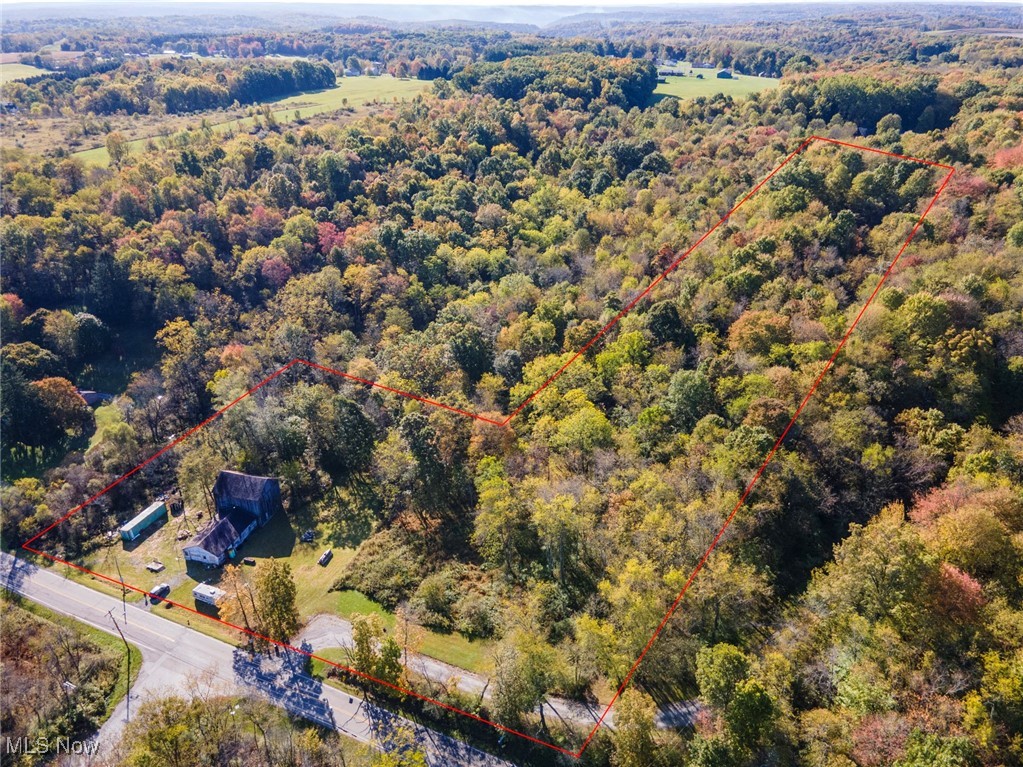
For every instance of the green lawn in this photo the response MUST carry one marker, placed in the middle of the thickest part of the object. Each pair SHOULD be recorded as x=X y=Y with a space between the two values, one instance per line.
x=453 y=648
x=351 y=92
x=10 y=72
x=106 y=415
x=692 y=86
x=320 y=668
x=278 y=539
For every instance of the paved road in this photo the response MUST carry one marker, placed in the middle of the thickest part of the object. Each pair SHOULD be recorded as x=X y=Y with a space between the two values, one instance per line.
x=176 y=656
x=330 y=631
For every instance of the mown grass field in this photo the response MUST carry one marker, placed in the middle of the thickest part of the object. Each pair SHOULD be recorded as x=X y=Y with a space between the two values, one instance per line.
x=15 y=71
x=690 y=87
x=450 y=648
x=352 y=92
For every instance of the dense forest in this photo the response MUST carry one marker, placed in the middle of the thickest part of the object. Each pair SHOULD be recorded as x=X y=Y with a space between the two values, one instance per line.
x=865 y=606
x=166 y=86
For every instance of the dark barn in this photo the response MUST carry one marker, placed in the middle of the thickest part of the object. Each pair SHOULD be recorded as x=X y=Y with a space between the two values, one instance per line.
x=259 y=496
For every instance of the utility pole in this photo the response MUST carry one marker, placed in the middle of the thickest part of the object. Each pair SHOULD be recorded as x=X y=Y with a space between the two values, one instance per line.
x=124 y=593
x=127 y=658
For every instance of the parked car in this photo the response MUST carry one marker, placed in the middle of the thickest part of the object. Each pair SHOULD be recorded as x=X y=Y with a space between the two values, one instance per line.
x=251 y=561
x=325 y=558
x=159 y=592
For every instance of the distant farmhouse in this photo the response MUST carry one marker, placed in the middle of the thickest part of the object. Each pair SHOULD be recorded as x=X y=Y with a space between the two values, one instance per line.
x=724 y=74
x=243 y=503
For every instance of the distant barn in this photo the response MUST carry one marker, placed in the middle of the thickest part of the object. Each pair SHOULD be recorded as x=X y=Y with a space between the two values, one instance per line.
x=724 y=74
x=94 y=398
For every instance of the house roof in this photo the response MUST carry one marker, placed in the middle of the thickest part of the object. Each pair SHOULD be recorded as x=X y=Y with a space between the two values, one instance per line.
x=221 y=535
x=217 y=538
x=234 y=484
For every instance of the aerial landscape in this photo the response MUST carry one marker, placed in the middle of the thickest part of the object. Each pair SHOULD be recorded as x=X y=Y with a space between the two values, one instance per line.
x=620 y=386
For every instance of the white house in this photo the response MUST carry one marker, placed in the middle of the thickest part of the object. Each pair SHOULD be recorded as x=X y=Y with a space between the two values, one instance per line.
x=221 y=538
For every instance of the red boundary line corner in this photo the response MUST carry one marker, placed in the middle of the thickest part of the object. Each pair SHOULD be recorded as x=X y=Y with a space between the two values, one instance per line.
x=494 y=422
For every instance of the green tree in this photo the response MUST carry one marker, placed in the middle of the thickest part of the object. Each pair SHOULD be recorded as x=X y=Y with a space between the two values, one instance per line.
x=472 y=353
x=61 y=330
x=33 y=362
x=929 y=750
x=880 y=571
x=580 y=434
x=689 y=398
x=501 y=529
x=715 y=751
x=526 y=670
x=388 y=667
x=719 y=670
x=366 y=633
x=400 y=748
x=634 y=744
x=666 y=325
x=346 y=438
x=750 y=713
x=562 y=524
x=117 y=148
x=275 y=600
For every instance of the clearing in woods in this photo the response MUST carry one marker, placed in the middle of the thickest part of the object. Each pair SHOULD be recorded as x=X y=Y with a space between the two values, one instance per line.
x=690 y=87
x=357 y=91
x=15 y=71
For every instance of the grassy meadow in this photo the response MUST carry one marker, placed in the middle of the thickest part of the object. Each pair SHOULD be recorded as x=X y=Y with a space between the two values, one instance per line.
x=690 y=86
x=15 y=71
x=351 y=92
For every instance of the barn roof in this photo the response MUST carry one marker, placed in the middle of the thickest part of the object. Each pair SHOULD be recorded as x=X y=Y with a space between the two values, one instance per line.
x=247 y=487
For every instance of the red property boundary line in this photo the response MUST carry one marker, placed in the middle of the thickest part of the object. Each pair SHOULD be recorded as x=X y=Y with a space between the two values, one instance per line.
x=703 y=559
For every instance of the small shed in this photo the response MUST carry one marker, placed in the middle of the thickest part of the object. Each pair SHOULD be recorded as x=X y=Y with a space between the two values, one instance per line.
x=208 y=594
x=724 y=74
x=259 y=496
x=134 y=527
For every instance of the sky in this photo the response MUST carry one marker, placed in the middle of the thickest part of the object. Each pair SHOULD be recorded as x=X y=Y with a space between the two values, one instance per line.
x=588 y=4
